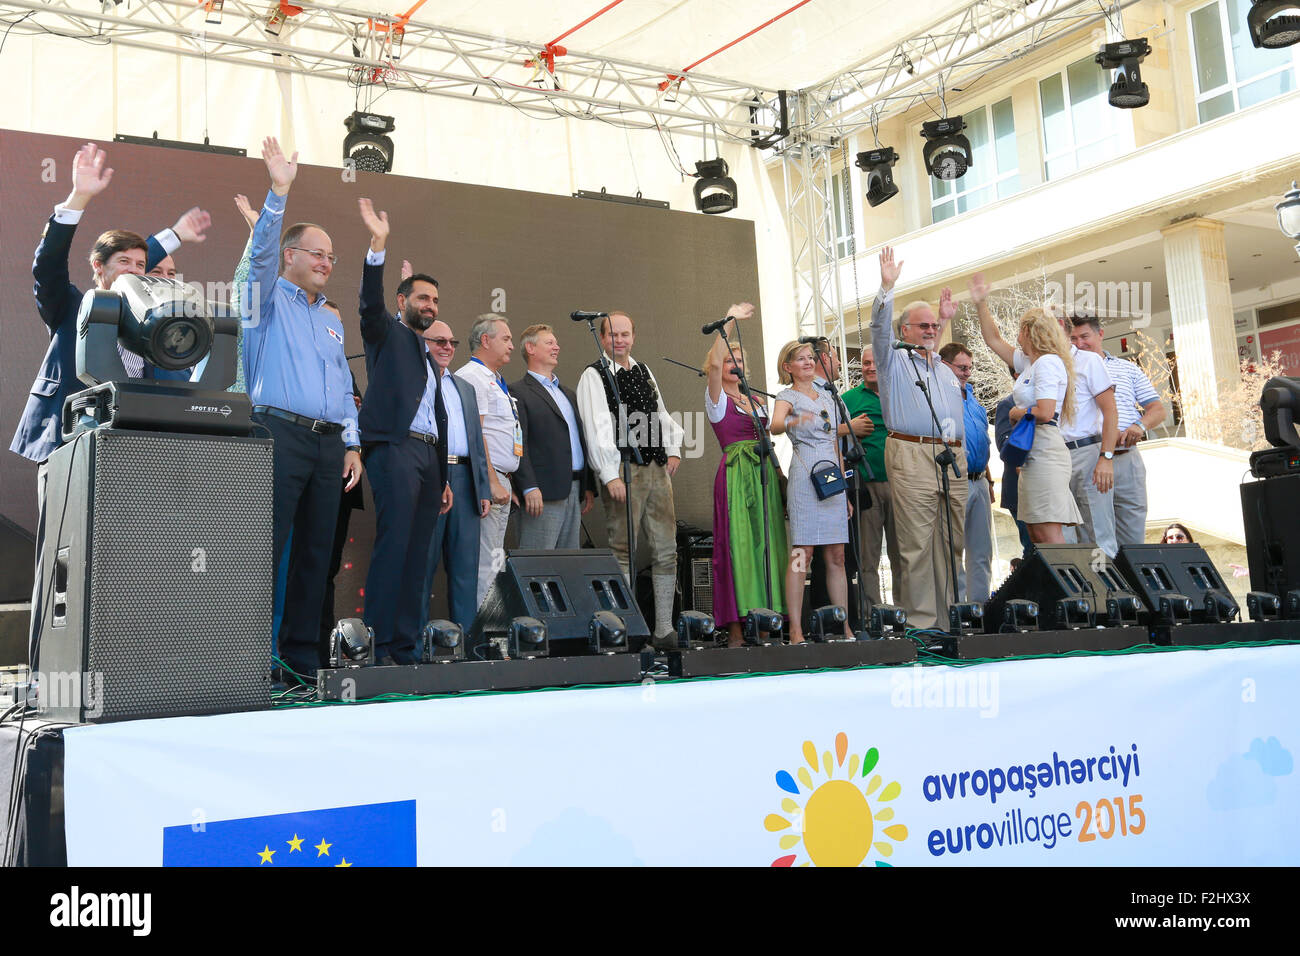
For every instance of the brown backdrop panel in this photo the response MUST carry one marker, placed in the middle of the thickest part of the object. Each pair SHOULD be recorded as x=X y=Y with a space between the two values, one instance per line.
x=542 y=256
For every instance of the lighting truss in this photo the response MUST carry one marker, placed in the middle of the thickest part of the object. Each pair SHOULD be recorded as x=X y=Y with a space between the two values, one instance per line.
x=353 y=45
x=948 y=55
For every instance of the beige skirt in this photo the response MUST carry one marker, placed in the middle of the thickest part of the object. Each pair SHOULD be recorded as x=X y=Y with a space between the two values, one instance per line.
x=1043 y=490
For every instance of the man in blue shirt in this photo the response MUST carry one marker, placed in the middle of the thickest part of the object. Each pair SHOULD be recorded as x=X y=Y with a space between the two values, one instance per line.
x=973 y=579
x=301 y=389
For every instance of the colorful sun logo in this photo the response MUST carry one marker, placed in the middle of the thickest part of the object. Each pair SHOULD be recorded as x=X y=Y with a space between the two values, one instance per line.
x=836 y=822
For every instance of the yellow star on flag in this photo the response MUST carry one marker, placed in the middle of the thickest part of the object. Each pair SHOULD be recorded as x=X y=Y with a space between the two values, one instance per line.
x=266 y=855
x=295 y=843
x=323 y=848
x=344 y=863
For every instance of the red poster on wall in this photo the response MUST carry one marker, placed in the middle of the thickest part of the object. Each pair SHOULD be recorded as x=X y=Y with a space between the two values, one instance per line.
x=1286 y=341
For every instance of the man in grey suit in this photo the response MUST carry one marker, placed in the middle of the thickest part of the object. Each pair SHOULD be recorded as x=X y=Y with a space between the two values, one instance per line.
x=553 y=480
x=455 y=537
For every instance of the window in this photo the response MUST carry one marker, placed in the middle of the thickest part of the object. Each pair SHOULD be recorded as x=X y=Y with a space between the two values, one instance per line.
x=994 y=173
x=1230 y=73
x=845 y=242
x=1080 y=127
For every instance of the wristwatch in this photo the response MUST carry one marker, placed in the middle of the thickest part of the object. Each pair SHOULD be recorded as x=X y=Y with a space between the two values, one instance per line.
x=356 y=448
x=1108 y=455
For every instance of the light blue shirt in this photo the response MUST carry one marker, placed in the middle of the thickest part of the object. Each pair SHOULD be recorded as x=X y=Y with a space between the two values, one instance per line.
x=293 y=349
x=977 y=433
x=425 y=419
x=904 y=404
x=457 y=437
x=570 y=417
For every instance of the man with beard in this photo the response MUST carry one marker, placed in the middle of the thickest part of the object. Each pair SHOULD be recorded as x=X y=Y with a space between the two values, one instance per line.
x=403 y=428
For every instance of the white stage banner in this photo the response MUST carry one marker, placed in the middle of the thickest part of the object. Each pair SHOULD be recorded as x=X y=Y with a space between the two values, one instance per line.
x=1182 y=758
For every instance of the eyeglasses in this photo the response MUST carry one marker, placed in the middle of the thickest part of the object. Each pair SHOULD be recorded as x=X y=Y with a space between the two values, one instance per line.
x=1173 y=536
x=967 y=369
x=826 y=420
x=926 y=326
x=318 y=255
x=443 y=343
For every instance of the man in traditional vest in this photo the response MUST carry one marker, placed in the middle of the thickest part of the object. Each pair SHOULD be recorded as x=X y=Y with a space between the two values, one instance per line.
x=612 y=432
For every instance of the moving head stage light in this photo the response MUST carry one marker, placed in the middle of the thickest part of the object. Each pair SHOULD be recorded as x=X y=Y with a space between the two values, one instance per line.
x=947 y=152
x=1127 y=92
x=172 y=327
x=1270 y=31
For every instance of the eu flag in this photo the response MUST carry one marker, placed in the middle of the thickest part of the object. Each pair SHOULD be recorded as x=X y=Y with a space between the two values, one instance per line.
x=373 y=834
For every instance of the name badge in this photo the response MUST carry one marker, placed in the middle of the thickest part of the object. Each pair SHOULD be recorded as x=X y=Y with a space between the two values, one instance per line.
x=519 y=431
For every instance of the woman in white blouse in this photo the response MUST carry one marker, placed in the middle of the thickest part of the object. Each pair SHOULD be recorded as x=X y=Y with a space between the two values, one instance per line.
x=1044 y=389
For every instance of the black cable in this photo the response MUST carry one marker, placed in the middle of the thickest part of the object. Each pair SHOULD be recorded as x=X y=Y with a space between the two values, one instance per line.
x=13 y=24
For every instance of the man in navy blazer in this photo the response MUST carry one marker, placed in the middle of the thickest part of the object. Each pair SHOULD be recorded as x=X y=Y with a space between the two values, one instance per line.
x=403 y=430
x=58 y=301
x=456 y=537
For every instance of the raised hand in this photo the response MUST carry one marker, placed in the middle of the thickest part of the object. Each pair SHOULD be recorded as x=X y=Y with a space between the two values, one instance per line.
x=407 y=269
x=192 y=225
x=741 y=311
x=979 y=288
x=283 y=169
x=889 y=270
x=376 y=223
x=947 y=309
x=89 y=176
x=248 y=212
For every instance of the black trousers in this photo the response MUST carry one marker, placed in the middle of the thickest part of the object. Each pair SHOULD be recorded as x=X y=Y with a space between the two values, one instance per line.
x=308 y=482
x=407 y=482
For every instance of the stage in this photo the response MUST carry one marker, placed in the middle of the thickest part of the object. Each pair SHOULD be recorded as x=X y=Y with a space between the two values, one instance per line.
x=1165 y=757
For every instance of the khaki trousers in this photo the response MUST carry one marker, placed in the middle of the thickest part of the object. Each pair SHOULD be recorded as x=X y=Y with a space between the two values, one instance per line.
x=927 y=585
x=654 y=518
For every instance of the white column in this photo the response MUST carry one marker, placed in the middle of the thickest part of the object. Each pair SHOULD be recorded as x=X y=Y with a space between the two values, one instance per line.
x=1200 y=304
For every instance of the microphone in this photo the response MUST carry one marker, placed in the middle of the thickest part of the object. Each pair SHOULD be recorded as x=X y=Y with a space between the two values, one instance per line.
x=588 y=316
x=909 y=347
x=715 y=326
x=809 y=339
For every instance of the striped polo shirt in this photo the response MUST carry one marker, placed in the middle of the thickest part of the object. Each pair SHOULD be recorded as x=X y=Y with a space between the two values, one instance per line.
x=1133 y=390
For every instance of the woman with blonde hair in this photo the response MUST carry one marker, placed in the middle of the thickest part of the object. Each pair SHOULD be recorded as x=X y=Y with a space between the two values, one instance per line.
x=738 y=585
x=809 y=416
x=1044 y=389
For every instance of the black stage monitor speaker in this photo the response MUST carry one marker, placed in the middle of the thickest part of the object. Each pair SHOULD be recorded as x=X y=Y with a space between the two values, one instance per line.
x=1057 y=577
x=562 y=589
x=1172 y=572
x=1270 y=511
x=156 y=576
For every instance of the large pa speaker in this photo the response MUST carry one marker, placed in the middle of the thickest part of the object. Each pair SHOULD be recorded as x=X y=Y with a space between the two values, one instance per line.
x=1272 y=520
x=562 y=589
x=695 y=568
x=156 y=579
x=1175 y=571
x=1058 y=576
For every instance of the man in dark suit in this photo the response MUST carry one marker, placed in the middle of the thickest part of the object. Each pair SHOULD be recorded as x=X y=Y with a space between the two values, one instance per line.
x=553 y=480
x=456 y=537
x=58 y=300
x=403 y=427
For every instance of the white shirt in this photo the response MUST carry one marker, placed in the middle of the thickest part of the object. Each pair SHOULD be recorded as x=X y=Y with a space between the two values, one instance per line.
x=498 y=412
x=1090 y=380
x=717 y=411
x=1044 y=378
x=602 y=450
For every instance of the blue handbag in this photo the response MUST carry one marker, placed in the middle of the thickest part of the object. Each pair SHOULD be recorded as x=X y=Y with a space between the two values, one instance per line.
x=1019 y=442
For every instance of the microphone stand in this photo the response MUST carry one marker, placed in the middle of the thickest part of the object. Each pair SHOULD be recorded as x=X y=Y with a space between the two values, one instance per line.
x=765 y=455
x=699 y=374
x=608 y=371
x=857 y=455
x=944 y=460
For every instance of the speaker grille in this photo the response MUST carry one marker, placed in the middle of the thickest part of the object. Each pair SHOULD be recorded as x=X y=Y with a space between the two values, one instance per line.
x=181 y=588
